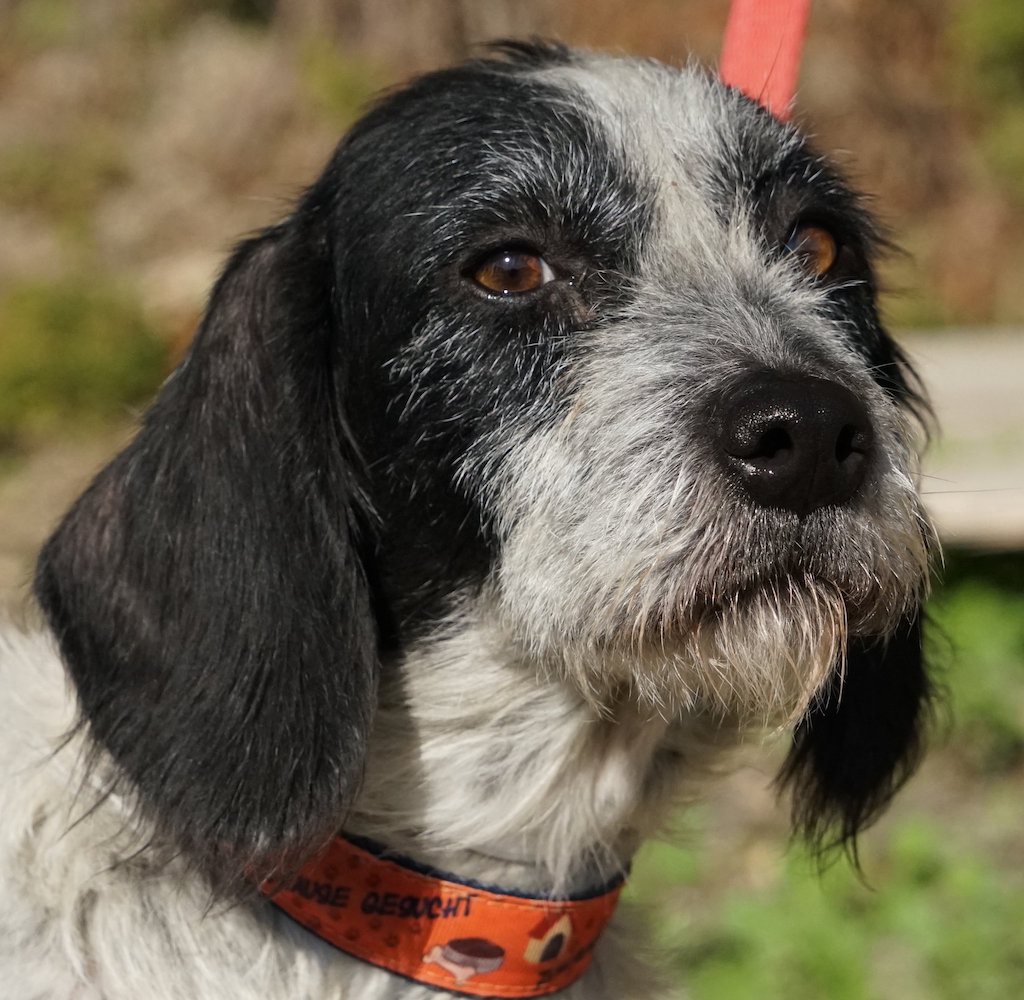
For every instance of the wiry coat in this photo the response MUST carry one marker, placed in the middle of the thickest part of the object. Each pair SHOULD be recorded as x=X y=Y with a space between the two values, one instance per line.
x=467 y=573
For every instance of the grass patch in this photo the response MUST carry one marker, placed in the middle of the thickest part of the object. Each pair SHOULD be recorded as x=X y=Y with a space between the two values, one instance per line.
x=938 y=922
x=985 y=627
x=942 y=925
x=72 y=354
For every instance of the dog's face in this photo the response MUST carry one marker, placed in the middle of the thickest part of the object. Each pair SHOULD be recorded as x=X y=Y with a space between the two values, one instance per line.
x=601 y=294
x=587 y=347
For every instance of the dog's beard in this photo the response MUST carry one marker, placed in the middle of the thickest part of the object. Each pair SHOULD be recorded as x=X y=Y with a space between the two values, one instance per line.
x=675 y=638
x=699 y=601
x=759 y=656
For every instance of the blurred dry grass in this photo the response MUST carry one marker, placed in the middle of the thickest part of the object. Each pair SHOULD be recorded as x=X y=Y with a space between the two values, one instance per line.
x=139 y=138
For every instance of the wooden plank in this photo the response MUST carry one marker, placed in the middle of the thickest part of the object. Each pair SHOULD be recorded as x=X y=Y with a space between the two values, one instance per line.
x=973 y=474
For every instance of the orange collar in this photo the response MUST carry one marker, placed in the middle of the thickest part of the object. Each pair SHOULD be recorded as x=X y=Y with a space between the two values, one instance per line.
x=431 y=927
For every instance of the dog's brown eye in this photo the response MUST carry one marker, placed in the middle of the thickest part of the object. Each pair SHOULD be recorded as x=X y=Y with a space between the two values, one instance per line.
x=816 y=249
x=510 y=272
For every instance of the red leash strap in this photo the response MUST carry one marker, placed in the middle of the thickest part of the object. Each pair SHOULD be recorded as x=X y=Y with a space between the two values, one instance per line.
x=761 y=50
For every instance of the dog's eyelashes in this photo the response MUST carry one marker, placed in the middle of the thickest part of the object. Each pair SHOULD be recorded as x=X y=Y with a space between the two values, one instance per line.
x=814 y=247
x=512 y=272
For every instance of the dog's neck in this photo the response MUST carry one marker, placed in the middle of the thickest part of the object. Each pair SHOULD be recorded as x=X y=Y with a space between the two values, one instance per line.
x=483 y=766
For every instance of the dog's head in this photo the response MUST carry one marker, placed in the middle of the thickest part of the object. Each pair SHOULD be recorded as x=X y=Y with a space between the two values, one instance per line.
x=588 y=347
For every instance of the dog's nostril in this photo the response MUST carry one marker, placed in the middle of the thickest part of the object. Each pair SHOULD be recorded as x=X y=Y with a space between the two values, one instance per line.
x=852 y=444
x=795 y=442
x=771 y=442
x=757 y=436
x=844 y=443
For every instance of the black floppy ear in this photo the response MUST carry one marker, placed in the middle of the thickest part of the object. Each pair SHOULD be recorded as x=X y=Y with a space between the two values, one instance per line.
x=860 y=740
x=208 y=591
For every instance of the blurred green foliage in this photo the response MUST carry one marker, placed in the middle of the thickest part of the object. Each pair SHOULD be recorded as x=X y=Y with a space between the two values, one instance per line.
x=942 y=925
x=340 y=84
x=987 y=41
x=157 y=19
x=920 y=308
x=257 y=12
x=985 y=625
x=940 y=915
x=62 y=180
x=75 y=353
x=34 y=25
x=988 y=36
x=39 y=24
x=978 y=611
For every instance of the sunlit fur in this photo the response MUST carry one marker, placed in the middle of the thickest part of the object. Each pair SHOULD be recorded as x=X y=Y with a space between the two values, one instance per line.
x=466 y=575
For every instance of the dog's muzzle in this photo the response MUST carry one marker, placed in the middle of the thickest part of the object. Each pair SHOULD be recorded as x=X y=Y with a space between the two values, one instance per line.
x=795 y=442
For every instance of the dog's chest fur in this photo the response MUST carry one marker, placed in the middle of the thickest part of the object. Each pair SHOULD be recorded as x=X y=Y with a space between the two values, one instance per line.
x=550 y=445
x=552 y=789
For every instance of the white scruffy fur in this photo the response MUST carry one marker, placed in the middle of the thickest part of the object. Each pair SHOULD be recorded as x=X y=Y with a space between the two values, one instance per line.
x=86 y=916
x=557 y=714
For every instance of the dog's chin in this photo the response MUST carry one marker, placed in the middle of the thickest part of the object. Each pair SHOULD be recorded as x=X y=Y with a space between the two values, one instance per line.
x=758 y=657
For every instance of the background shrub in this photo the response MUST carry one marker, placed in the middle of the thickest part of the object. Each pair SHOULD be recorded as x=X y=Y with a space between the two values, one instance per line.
x=73 y=354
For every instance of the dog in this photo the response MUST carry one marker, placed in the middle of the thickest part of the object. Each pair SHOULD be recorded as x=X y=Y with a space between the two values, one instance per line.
x=549 y=446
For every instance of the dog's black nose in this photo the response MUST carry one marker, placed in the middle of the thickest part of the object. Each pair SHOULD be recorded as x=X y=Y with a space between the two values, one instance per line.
x=795 y=442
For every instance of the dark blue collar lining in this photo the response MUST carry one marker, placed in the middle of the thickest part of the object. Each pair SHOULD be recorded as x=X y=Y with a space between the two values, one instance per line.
x=386 y=854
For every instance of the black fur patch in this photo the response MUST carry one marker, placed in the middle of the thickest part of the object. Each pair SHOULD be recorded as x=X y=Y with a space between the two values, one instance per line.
x=860 y=740
x=208 y=590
